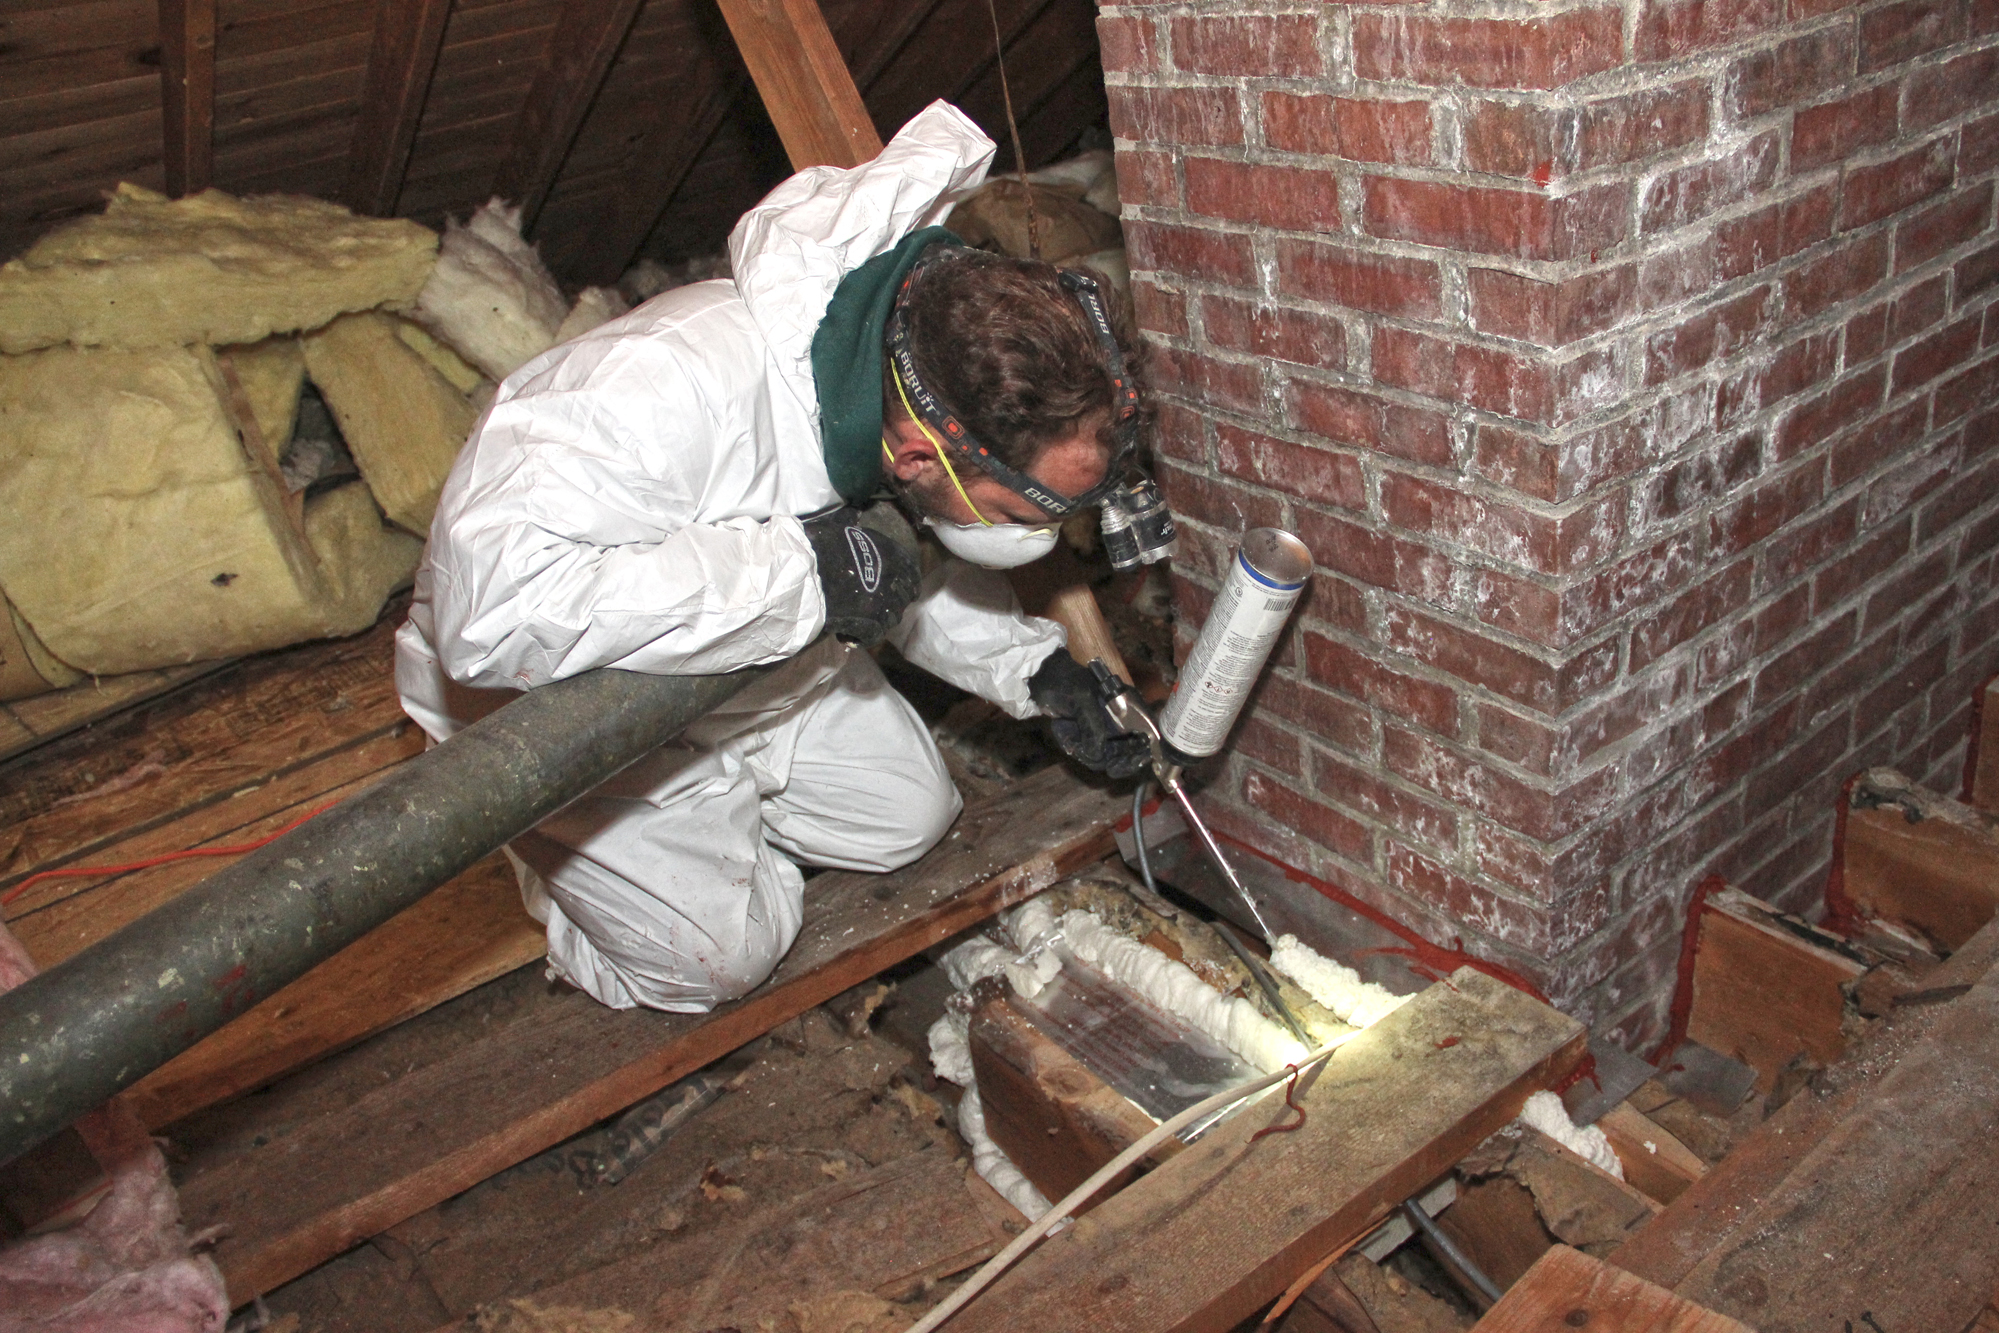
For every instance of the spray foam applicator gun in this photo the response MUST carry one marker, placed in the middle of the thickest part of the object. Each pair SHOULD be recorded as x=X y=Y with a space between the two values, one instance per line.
x=1263 y=585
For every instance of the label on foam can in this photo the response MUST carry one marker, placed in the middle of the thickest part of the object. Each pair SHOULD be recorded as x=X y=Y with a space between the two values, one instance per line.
x=1264 y=582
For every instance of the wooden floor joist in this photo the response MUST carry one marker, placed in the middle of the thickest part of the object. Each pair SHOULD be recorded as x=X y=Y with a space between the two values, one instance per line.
x=1224 y=1227
x=1568 y=1289
x=1922 y=861
x=311 y=1191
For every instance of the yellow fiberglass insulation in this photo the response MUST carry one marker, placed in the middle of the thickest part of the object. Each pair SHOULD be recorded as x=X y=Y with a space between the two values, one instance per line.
x=272 y=373
x=402 y=421
x=142 y=536
x=26 y=665
x=155 y=272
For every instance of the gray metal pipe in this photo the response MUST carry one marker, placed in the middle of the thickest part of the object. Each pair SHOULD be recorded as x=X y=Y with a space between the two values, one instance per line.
x=99 y=1021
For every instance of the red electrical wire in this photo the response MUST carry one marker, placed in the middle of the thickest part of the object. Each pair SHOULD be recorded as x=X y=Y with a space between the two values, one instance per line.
x=1290 y=1087
x=237 y=850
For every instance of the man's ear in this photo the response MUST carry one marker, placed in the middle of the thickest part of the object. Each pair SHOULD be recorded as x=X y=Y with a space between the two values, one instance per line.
x=912 y=452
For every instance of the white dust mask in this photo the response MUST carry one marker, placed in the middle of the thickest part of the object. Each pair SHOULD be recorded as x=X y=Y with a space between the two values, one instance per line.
x=994 y=546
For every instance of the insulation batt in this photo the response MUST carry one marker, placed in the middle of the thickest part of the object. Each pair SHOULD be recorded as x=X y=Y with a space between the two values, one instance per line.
x=211 y=268
x=1334 y=985
x=1544 y=1111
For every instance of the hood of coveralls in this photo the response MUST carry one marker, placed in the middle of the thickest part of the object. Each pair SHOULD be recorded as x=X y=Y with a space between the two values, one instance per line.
x=790 y=252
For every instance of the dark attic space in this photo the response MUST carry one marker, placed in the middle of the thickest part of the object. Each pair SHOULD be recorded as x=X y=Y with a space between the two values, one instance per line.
x=746 y=666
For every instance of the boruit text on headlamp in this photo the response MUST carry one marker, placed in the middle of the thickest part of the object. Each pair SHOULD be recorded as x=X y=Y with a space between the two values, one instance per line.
x=1137 y=527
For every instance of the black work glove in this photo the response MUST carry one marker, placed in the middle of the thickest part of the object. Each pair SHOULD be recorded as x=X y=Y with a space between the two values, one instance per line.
x=868 y=580
x=1069 y=693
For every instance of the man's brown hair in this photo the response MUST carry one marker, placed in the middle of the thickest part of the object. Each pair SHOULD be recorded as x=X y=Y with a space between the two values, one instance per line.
x=1011 y=353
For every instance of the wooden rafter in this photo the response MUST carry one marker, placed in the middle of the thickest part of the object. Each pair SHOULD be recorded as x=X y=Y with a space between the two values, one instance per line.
x=665 y=155
x=587 y=37
x=408 y=36
x=187 y=93
x=804 y=81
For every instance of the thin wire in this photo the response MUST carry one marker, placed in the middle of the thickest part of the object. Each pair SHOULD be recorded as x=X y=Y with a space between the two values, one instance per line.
x=151 y=861
x=1006 y=1258
x=1013 y=126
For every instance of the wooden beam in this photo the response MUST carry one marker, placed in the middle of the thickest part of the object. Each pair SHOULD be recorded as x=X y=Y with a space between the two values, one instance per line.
x=1920 y=860
x=408 y=36
x=1767 y=986
x=1568 y=1289
x=392 y=1151
x=187 y=93
x=804 y=82
x=587 y=37
x=1981 y=764
x=1220 y=1230
x=1654 y=1159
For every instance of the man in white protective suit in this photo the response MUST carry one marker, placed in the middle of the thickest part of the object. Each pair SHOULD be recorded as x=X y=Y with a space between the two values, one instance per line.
x=673 y=493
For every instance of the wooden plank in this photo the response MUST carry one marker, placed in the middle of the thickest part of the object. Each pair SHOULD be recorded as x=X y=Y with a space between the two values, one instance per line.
x=1767 y=986
x=315 y=1192
x=671 y=146
x=1727 y=1199
x=1224 y=1227
x=187 y=93
x=1918 y=859
x=1654 y=1160
x=804 y=82
x=1047 y=1111
x=49 y=717
x=408 y=36
x=586 y=39
x=468 y=932
x=1898 y=1192
x=1568 y=1289
x=1981 y=763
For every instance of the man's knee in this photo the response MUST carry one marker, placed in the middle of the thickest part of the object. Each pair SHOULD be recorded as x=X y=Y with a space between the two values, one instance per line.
x=696 y=985
x=921 y=821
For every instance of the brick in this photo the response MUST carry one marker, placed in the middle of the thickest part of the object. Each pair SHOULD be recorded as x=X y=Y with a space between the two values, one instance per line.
x=1547 y=814
x=1714 y=334
x=1917 y=308
x=1128 y=44
x=1701 y=479
x=1288 y=198
x=1875 y=192
x=1303 y=337
x=1668 y=29
x=1978 y=141
x=1518 y=605
x=1230 y=385
x=1908 y=588
x=1465 y=903
x=1335 y=601
x=1675 y=198
x=1756 y=240
x=1325 y=716
x=1806 y=658
x=1943 y=227
x=1769 y=507
x=1262 y=45
x=1359 y=280
x=1179 y=432
x=1866 y=334
x=1191 y=252
x=1717 y=597
x=1496 y=380
x=1147 y=178
x=1834 y=130
x=1416 y=818
x=1525 y=224
x=1842 y=578
x=1313 y=819
x=1551 y=314
x=1909 y=479
x=1891 y=34
x=1851 y=400
x=1360 y=130
x=1542 y=144
x=1944 y=92
x=1347 y=416
x=1541 y=52
x=1966 y=393
x=1976 y=274
x=1942 y=351
x=1177 y=116
x=1636 y=581
x=1325 y=476
x=1216 y=502
x=1796 y=550
x=1376 y=558
x=1547 y=544
x=1851 y=270
x=1158 y=311
x=1789 y=73
x=1795 y=368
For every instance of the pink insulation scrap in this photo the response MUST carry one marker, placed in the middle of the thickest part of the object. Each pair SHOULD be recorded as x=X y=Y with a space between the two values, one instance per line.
x=127 y=1266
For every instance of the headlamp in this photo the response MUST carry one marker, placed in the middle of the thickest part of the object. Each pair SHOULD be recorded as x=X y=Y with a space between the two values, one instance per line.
x=1137 y=527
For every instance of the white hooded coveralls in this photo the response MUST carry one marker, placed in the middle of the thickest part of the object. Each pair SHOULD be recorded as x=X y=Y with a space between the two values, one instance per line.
x=631 y=500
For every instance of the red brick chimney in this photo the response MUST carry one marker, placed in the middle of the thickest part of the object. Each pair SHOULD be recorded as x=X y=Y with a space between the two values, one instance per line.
x=1630 y=371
